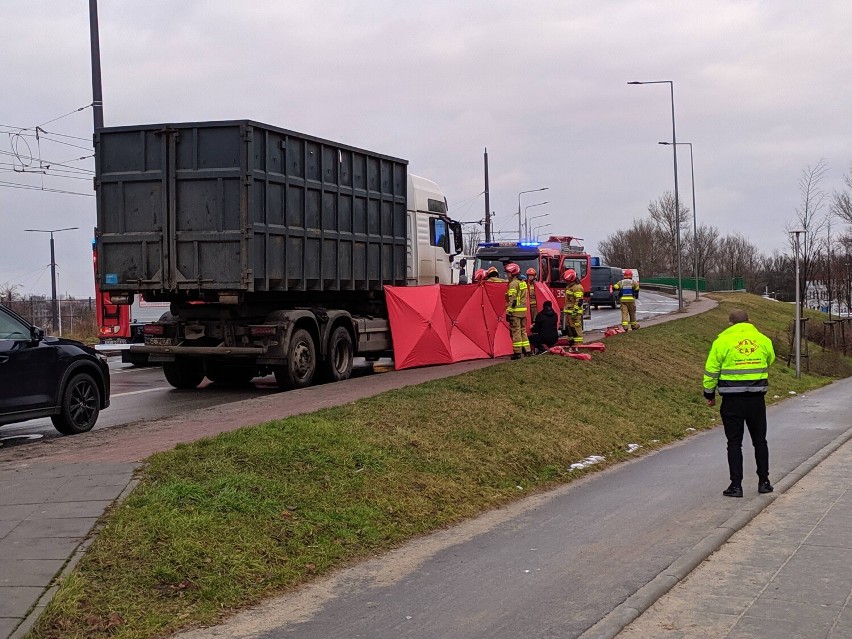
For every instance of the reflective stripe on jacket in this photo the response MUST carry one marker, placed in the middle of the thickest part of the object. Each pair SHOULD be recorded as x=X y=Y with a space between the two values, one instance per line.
x=626 y=289
x=573 y=299
x=516 y=298
x=738 y=362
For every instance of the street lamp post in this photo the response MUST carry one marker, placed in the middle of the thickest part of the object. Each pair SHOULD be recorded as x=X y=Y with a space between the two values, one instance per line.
x=797 y=332
x=527 y=219
x=535 y=230
x=694 y=218
x=677 y=198
x=520 y=229
x=54 y=308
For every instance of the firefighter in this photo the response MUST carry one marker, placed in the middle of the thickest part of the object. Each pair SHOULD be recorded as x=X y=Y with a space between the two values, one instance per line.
x=493 y=275
x=516 y=311
x=479 y=275
x=531 y=286
x=573 y=309
x=627 y=291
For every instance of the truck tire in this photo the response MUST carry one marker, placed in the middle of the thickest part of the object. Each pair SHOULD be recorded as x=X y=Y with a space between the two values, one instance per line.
x=233 y=375
x=338 y=365
x=184 y=372
x=81 y=405
x=301 y=364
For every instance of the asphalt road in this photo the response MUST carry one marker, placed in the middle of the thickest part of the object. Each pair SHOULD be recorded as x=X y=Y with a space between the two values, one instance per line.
x=141 y=394
x=554 y=564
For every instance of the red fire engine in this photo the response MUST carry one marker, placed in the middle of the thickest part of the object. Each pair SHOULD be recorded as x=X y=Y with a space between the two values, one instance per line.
x=550 y=259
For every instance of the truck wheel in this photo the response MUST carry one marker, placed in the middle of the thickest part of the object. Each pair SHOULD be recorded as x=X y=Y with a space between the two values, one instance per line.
x=230 y=375
x=184 y=372
x=81 y=404
x=301 y=364
x=338 y=366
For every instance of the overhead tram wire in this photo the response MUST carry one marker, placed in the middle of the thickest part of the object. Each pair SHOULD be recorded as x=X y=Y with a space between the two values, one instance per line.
x=28 y=187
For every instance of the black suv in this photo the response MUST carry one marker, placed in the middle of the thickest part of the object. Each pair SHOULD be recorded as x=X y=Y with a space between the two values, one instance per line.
x=49 y=377
x=603 y=277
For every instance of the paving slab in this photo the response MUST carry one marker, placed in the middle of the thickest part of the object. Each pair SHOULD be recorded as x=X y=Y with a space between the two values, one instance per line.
x=795 y=559
x=16 y=600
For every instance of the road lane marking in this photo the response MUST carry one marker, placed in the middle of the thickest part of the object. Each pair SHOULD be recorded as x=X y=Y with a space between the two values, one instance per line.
x=139 y=392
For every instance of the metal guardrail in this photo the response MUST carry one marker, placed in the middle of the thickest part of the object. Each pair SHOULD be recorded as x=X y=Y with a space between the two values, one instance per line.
x=660 y=288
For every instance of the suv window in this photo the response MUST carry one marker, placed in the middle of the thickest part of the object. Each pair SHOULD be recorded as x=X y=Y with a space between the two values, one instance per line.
x=11 y=328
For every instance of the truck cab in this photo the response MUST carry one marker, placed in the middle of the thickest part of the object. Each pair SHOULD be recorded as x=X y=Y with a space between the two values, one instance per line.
x=433 y=238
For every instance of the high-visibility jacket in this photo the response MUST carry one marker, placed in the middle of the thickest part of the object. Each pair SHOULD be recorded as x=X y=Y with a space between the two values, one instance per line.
x=573 y=299
x=531 y=288
x=738 y=362
x=627 y=289
x=516 y=298
x=495 y=278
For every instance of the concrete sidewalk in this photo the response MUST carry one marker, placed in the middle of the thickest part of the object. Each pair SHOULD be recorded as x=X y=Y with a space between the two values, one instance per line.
x=785 y=575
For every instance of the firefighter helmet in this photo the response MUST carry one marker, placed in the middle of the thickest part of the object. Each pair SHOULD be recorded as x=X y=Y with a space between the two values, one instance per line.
x=513 y=269
x=569 y=275
x=479 y=275
x=531 y=272
x=492 y=270
x=628 y=273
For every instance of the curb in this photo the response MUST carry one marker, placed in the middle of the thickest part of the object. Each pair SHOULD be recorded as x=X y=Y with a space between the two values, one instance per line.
x=38 y=608
x=637 y=603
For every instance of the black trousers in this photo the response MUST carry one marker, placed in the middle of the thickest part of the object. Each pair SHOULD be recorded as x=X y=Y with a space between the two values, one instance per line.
x=748 y=410
x=538 y=343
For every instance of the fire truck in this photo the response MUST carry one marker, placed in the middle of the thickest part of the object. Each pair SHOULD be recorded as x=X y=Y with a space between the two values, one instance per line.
x=550 y=259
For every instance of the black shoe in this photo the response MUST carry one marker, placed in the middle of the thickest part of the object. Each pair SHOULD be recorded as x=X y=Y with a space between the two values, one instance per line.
x=733 y=491
x=516 y=356
x=764 y=486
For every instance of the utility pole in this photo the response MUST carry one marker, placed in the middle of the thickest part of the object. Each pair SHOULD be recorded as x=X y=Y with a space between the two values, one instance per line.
x=487 y=202
x=95 y=46
x=54 y=306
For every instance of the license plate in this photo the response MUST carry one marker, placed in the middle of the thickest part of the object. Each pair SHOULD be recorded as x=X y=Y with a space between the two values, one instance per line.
x=158 y=341
x=116 y=340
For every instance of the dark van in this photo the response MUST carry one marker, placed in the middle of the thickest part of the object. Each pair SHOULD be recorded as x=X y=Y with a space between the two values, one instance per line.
x=603 y=277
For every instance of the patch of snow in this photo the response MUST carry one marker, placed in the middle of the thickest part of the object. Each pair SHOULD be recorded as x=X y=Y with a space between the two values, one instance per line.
x=690 y=430
x=791 y=392
x=632 y=448
x=588 y=461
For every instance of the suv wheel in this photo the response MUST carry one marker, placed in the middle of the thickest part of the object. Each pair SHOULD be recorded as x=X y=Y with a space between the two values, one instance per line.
x=81 y=404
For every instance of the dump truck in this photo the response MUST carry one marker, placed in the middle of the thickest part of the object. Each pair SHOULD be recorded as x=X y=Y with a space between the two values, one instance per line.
x=271 y=247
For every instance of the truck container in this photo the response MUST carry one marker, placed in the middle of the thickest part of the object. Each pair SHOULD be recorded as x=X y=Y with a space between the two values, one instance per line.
x=271 y=247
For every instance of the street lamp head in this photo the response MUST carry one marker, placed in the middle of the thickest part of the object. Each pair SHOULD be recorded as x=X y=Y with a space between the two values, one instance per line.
x=634 y=82
x=666 y=143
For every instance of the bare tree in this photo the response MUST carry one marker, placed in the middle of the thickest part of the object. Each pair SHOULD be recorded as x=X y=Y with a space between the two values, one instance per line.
x=811 y=218
x=707 y=248
x=841 y=204
x=9 y=292
x=737 y=257
x=636 y=247
x=662 y=212
x=775 y=277
x=472 y=238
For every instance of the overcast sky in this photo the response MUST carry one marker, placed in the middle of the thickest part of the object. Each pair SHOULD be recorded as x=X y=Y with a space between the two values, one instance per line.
x=762 y=90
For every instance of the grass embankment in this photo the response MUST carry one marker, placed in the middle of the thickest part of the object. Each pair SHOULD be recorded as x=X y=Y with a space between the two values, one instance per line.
x=224 y=522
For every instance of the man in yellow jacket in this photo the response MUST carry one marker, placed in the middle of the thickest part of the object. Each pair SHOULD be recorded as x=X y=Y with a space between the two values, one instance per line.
x=516 y=311
x=738 y=367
